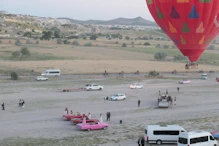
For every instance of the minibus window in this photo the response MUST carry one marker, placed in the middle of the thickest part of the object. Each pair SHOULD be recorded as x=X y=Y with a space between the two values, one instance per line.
x=183 y=140
x=211 y=138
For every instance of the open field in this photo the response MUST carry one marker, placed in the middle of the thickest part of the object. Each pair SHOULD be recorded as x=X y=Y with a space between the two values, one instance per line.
x=41 y=123
x=103 y=55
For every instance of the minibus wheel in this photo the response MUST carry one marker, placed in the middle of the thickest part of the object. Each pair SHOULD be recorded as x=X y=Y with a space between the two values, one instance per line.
x=159 y=142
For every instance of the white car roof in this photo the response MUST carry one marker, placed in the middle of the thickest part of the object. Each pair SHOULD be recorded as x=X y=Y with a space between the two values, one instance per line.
x=163 y=127
x=195 y=134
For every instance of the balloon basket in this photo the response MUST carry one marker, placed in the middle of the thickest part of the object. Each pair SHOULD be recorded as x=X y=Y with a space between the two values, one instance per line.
x=191 y=66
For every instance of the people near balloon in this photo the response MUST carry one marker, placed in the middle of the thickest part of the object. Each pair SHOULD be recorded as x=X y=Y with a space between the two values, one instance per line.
x=187 y=24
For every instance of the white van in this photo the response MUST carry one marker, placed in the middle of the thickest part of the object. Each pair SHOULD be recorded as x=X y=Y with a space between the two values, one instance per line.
x=196 y=138
x=162 y=134
x=51 y=72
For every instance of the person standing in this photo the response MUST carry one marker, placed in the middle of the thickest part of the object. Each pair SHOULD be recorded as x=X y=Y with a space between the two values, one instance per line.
x=142 y=141
x=3 y=106
x=177 y=89
x=109 y=115
x=23 y=104
x=139 y=102
x=166 y=92
x=101 y=118
x=89 y=116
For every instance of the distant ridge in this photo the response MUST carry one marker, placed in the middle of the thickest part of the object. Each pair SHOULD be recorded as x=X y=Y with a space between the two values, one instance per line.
x=118 y=21
x=4 y=12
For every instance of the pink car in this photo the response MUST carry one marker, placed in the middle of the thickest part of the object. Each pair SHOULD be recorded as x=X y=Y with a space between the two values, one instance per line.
x=92 y=126
x=69 y=117
x=184 y=82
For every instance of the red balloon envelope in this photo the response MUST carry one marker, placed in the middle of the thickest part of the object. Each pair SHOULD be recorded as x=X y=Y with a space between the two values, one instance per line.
x=191 y=24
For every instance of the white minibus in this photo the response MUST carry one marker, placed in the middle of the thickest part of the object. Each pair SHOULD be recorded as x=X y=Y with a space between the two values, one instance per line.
x=162 y=134
x=196 y=138
x=51 y=72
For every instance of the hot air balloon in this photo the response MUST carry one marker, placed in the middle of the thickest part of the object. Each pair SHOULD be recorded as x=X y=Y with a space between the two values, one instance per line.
x=191 y=24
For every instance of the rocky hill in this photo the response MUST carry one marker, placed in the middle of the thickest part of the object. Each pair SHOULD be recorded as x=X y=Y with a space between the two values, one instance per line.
x=118 y=21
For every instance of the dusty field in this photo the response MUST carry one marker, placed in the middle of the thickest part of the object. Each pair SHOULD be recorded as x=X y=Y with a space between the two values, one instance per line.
x=41 y=123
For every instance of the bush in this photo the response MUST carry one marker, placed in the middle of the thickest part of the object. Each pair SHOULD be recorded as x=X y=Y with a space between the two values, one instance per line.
x=160 y=56
x=75 y=43
x=14 y=76
x=166 y=46
x=88 y=44
x=179 y=57
x=153 y=73
x=174 y=47
x=124 y=45
x=59 y=41
x=212 y=47
x=93 y=37
x=28 y=42
x=158 y=46
x=147 y=44
x=17 y=43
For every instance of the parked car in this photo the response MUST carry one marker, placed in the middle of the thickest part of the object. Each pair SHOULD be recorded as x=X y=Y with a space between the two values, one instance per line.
x=69 y=117
x=92 y=126
x=80 y=120
x=184 y=82
x=90 y=87
x=51 y=72
x=119 y=96
x=196 y=138
x=204 y=76
x=41 y=78
x=161 y=134
x=136 y=86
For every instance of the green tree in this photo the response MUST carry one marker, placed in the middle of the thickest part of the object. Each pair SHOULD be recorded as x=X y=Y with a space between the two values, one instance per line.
x=57 y=34
x=127 y=38
x=47 y=35
x=124 y=45
x=59 y=41
x=14 y=76
x=27 y=34
x=17 y=42
x=147 y=44
x=24 y=52
x=75 y=43
x=160 y=56
x=93 y=37
x=66 y=42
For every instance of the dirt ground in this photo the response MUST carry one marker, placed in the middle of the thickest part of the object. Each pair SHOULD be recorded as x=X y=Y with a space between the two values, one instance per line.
x=40 y=123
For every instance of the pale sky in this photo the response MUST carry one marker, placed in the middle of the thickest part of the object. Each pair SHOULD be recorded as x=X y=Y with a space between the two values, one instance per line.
x=79 y=9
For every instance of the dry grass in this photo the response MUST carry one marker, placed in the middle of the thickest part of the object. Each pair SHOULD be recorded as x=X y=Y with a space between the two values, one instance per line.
x=98 y=66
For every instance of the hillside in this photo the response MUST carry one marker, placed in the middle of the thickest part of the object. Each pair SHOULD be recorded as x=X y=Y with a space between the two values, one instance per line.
x=118 y=21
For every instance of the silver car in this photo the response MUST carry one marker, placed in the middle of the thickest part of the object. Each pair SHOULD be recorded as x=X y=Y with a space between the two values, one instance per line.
x=119 y=96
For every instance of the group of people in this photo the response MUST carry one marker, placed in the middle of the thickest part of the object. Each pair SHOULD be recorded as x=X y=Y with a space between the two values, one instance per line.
x=67 y=111
x=21 y=103
x=169 y=98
